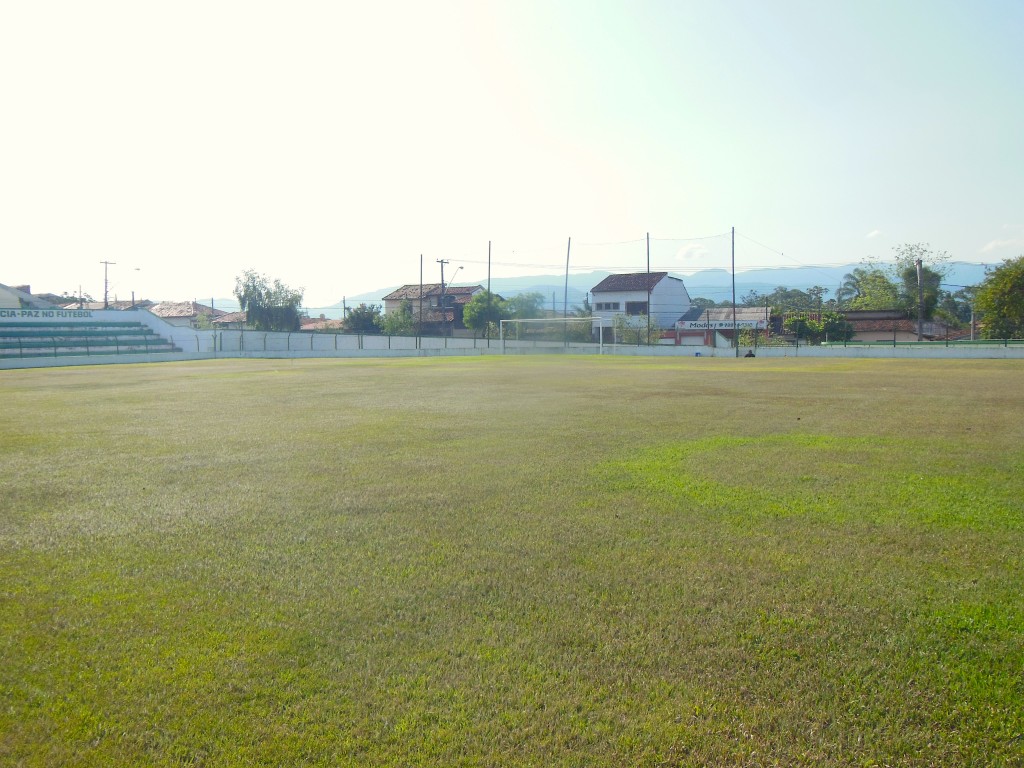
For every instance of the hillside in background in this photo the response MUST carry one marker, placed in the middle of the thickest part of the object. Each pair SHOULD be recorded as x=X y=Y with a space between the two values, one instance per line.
x=715 y=284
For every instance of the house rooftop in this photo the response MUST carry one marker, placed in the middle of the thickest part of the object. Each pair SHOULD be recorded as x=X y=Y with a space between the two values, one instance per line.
x=184 y=309
x=635 y=281
x=462 y=293
x=230 y=317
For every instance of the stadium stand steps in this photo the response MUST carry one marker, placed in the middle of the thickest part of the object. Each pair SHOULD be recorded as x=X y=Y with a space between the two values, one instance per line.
x=57 y=339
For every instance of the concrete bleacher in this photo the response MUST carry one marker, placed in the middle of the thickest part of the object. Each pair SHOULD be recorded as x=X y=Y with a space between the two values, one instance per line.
x=82 y=338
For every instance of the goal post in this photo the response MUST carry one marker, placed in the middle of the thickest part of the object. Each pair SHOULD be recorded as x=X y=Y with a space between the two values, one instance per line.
x=551 y=321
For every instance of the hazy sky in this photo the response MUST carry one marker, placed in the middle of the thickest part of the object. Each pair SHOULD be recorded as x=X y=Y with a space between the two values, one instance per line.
x=330 y=144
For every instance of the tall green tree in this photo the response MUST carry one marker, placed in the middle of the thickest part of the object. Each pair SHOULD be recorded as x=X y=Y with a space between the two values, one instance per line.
x=1000 y=300
x=751 y=298
x=362 y=319
x=784 y=299
x=923 y=293
x=831 y=327
x=632 y=329
x=934 y=266
x=704 y=303
x=268 y=306
x=956 y=307
x=580 y=331
x=484 y=311
x=399 y=322
x=867 y=287
x=526 y=306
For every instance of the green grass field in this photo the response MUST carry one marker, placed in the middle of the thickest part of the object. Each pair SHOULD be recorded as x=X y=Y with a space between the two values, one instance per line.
x=513 y=561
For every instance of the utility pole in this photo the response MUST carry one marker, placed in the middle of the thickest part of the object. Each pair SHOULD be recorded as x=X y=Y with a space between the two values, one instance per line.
x=565 y=300
x=735 y=336
x=488 y=322
x=105 y=282
x=648 y=288
x=920 y=302
x=444 y=314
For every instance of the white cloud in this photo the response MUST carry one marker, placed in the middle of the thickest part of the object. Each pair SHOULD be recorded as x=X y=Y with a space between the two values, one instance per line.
x=691 y=252
x=873 y=234
x=996 y=245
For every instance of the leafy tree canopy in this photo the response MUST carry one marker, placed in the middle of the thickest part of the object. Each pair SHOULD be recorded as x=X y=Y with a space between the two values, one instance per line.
x=526 y=306
x=867 y=287
x=907 y=254
x=1000 y=299
x=362 y=319
x=633 y=329
x=398 y=323
x=703 y=303
x=831 y=327
x=784 y=299
x=909 y=296
x=583 y=310
x=268 y=306
x=483 y=310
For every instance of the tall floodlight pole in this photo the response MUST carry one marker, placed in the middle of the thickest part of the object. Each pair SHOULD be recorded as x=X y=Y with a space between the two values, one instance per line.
x=648 y=288
x=487 y=324
x=735 y=336
x=920 y=301
x=565 y=300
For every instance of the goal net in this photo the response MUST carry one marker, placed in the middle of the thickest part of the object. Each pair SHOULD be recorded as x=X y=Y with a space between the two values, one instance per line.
x=556 y=329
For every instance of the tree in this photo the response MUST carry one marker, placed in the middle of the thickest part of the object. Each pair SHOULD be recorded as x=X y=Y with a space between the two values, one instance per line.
x=580 y=331
x=362 y=319
x=751 y=298
x=955 y=308
x=908 y=254
x=703 y=303
x=268 y=306
x=1000 y=299
x=831 y=327
x=483 y=311
x=934 y=266
x=784 y=299
x=526 y=306
x=632 y=329
x=583 y=310
x=867 y=287
x=923 y=292
x=399 y=323
x=71 y=298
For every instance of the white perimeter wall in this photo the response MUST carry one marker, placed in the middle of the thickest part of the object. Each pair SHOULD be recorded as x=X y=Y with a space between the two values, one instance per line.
x=197 y=345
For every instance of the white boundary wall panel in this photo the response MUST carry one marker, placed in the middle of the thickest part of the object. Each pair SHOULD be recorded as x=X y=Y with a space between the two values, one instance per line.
x=201 y=345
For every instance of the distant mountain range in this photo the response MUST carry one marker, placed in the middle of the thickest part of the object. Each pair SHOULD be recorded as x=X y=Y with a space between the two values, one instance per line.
x=714 y=284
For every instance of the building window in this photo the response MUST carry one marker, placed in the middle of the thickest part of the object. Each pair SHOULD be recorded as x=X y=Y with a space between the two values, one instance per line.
x=606 y=306
x=636 y=307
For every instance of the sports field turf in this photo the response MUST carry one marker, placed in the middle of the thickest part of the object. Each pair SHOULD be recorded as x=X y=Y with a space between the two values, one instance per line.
x=513 y=561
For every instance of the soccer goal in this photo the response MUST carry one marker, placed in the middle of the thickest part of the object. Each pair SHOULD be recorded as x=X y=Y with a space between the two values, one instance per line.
x=535 y=327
